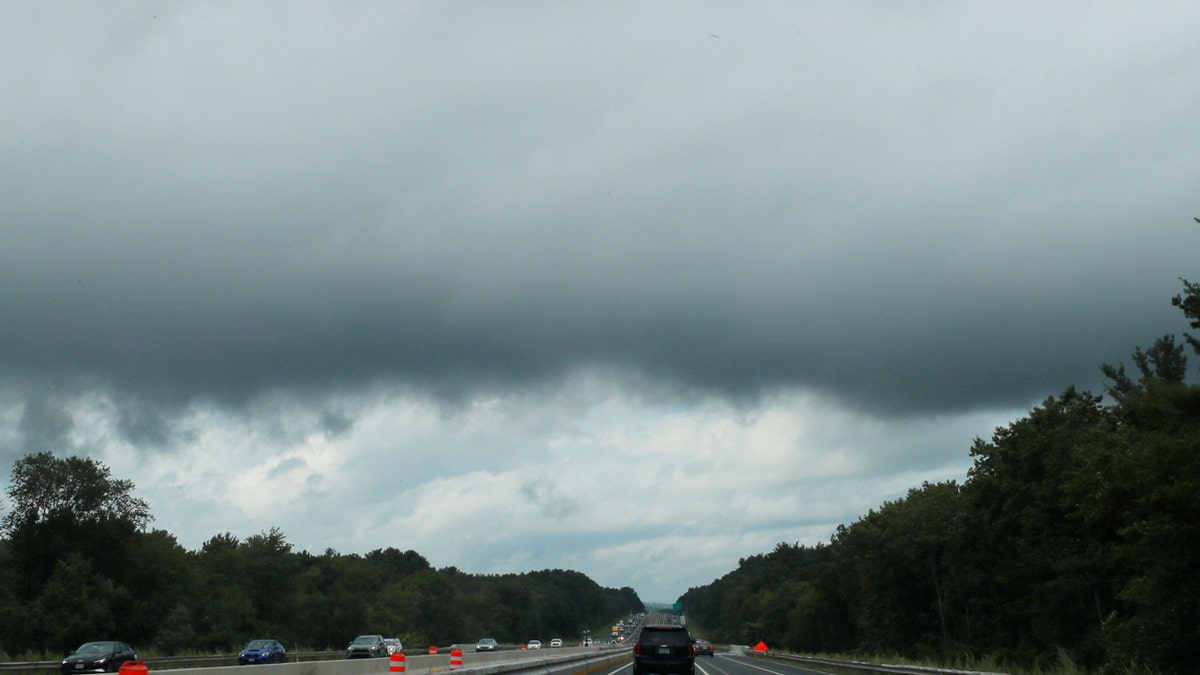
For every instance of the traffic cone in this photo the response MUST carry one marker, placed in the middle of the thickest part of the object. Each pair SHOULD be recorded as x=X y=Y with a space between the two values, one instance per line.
x=133 y=668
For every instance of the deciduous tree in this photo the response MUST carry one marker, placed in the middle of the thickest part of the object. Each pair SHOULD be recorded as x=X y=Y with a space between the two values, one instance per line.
x=63 y=505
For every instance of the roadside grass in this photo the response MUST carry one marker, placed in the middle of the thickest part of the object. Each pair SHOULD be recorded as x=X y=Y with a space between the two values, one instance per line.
x=990 y=665
x=26 y=657
x=143 y=654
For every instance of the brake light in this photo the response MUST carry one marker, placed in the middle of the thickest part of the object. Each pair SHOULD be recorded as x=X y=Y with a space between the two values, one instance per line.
x=691 y=649
x=637 y=648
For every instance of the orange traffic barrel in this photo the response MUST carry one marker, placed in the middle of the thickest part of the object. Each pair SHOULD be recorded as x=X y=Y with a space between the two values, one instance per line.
x=455 y=659
x=396 y=663
x=433 y=650
x=133 y=668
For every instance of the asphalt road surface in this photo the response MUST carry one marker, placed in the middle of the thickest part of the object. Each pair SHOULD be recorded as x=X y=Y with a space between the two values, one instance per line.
x=726 y=664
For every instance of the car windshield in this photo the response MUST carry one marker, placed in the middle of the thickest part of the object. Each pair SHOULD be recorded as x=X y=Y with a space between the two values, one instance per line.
x=364 y=640
x=94 y=648
x=259 y=644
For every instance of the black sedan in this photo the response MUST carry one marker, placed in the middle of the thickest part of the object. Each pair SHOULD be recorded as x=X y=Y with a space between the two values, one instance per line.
x=98 y=657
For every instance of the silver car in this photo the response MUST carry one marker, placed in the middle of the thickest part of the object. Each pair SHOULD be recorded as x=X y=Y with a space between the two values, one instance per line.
x=367 y=647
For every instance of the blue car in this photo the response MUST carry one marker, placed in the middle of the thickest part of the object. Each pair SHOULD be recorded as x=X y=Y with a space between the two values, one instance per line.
x=262 y=651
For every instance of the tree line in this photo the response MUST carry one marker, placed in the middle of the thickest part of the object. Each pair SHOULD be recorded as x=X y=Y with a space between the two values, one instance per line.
x=1075 y=533
x=77 y=563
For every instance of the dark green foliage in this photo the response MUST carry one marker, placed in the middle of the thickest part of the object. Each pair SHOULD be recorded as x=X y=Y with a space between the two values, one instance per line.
x=1137 y=485
x=1077 y=532
x=781 y=597
x=77 y=602
x=1043 y=592
x=65 y=505
x=76 y=564
x=176 y=635
x=896 y=565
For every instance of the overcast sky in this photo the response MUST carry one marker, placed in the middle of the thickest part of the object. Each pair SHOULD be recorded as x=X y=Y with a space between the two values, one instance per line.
x=631 y=288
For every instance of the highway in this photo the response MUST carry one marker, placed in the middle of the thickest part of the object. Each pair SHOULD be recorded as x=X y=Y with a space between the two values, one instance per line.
x=727 y=664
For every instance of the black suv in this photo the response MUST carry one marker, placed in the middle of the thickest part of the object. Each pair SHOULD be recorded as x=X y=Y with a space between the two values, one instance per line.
x=664 y=650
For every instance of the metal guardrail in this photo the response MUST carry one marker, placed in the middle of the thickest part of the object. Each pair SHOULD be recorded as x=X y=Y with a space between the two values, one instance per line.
x=219 y=660
x=873 y=668
x=166 y=662
x=230 y=660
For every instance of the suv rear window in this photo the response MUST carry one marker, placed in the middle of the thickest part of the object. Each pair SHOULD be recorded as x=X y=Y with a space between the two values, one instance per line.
x=665 y=636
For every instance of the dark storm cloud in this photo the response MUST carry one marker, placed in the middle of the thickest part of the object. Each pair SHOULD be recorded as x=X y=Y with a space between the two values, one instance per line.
x=213 y=207
x=886 y=334
x=44 y=423
x=142 y=424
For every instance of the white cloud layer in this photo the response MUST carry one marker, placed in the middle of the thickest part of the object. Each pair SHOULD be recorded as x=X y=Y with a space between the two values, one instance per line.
x=660 y=497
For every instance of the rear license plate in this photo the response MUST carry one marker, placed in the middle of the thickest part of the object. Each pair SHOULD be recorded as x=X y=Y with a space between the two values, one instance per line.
x=664 y=650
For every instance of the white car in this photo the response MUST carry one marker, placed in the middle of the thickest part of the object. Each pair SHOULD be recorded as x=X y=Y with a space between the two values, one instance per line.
x=534 y=644
x=556 y=642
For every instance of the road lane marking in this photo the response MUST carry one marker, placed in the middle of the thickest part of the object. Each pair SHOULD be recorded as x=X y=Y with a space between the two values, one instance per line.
x=758 y=667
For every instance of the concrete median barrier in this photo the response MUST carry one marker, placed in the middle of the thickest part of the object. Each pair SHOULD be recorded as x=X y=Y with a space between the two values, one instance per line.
x=571 y=661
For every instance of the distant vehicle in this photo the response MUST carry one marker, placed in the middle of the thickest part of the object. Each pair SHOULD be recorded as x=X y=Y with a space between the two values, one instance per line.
x=703 y=648
x=556 y=642
x=367 y=647
x=98 y=657
x=262 y=651
x=533 y=644
x=664 y=649
x=486 y=645
x=393 y=645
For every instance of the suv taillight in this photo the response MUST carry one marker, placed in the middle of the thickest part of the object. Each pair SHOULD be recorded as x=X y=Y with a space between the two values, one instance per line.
x=691 y=649
x=637 y=648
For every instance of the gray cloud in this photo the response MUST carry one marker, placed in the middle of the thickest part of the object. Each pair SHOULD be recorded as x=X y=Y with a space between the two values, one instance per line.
x=548 y=499
x=44 y=423
x=143 y=425
x=251 y=209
